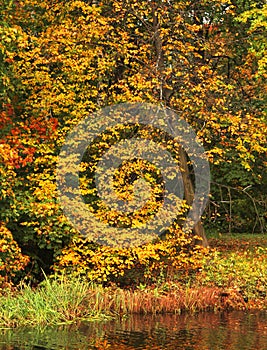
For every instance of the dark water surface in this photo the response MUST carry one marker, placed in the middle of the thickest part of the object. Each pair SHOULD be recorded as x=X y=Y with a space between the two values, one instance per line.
x=207 y=331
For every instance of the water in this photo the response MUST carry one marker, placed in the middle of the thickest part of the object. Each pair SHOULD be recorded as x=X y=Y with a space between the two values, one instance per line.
x=207 y=331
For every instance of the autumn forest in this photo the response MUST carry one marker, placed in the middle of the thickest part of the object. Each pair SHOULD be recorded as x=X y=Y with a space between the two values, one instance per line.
x=64 y=60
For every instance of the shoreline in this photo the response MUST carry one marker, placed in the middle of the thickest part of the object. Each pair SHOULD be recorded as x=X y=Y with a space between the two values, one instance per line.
x=70 y=301
x=233 y=276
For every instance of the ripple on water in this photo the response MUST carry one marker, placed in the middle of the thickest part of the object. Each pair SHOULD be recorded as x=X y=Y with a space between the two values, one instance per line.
x=206 y=331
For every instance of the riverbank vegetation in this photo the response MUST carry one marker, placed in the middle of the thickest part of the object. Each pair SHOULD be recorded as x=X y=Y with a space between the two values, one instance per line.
x=66 y=60
x=232 y=277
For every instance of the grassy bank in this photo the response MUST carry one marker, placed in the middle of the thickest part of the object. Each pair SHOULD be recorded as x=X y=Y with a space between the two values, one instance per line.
x=234 y=276
x=68 y=300
x=52 y=302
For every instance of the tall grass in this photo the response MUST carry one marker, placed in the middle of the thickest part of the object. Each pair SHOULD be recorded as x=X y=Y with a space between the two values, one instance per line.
x=229 y=279
x=68 y=300
x=233 y=280
x=155 y=301
x=63 y=300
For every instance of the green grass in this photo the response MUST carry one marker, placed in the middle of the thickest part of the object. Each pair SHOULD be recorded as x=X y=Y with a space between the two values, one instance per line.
x=239 y=262
x=67 y=300
x=52 y=302
x=245 y=270
x=237 y=269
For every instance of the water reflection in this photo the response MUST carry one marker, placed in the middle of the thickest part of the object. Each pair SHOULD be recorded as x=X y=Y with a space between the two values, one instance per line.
x=207 y=331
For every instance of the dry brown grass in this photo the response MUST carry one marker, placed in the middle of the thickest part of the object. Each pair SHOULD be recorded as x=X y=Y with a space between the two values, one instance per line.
x=154 y=301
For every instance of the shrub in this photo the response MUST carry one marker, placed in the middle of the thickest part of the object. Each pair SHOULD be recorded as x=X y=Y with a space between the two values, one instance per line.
x=12 y=261
x=145 y=264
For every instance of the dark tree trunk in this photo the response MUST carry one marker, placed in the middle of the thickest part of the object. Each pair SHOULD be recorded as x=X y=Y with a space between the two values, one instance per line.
x=189 y=196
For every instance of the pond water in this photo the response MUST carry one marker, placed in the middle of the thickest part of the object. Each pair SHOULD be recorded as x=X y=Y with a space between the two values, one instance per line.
x=206 y=331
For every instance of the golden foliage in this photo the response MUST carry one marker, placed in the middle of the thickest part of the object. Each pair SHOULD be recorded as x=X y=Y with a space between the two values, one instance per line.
x=145 y=264
x=11 y=259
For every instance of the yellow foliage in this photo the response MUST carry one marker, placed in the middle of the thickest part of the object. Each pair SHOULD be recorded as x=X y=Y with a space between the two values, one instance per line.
x=11 y=259
x=171 y=255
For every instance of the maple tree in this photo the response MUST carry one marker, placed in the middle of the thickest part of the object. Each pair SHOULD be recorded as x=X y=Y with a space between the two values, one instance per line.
x=65 y=59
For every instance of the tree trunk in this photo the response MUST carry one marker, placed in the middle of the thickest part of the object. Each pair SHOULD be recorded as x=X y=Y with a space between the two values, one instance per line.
x=189 y=197
x=164 y=96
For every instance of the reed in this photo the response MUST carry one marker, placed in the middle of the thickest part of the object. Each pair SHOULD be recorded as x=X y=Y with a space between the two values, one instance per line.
x=63 y=300
x=72 y=300
x=175 y=301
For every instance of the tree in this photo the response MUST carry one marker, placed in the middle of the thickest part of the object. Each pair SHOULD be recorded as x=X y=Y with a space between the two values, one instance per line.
x=72 y=58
